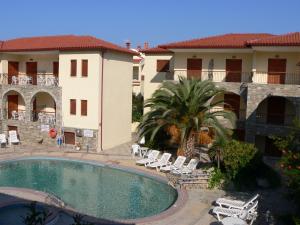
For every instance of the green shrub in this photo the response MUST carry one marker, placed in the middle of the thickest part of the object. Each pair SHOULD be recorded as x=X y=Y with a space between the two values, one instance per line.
x=217 y=179
x=137 y=107
x=237 y=156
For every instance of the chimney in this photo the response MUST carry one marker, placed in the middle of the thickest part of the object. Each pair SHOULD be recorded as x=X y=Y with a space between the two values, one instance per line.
x=127 y=43
x=146 y=45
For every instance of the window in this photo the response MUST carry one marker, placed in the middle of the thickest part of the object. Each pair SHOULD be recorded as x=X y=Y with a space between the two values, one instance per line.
x=73 y=106
x=162 y=65
x=84 y=107
x=73 y=68
x=84 y=68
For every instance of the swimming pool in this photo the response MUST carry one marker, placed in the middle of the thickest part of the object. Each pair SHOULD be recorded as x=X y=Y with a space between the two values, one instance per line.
x=92 y=189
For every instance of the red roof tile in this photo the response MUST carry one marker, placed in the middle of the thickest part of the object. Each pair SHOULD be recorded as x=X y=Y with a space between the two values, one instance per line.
x=290 y=39
x=63 y=42
x=155 y=50
x=218 y=41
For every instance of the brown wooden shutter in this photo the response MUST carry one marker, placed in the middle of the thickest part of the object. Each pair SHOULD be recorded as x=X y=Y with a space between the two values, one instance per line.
x=73 y=68
x=84 y=67
x=162 y=65
x=73 y=106
x=55 y=68
x=84 y=107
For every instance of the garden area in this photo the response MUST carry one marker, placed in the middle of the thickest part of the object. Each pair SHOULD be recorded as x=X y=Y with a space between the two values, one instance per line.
x=182 y=119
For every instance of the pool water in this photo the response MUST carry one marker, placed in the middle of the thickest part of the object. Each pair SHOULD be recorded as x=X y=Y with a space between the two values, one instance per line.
x=92 y=189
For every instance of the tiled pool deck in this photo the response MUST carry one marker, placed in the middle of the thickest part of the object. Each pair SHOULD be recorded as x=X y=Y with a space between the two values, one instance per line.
x=194 y=209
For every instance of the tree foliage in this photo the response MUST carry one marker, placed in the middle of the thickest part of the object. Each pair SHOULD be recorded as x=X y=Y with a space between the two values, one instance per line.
x=237 y=156
x=186 y=106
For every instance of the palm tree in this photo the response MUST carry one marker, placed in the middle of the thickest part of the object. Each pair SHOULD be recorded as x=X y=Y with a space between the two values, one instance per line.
x=215 y=151
x=187 y=105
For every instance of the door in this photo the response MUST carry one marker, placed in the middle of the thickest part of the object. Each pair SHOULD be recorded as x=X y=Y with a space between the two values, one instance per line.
x=233 y=70
x=31 y=70
x=13 y=70
x=232 y=103
x=276 y=71
x=194 y=68
x=55 y=69
x=69 y=138
x=276 y=110
x=12 y=104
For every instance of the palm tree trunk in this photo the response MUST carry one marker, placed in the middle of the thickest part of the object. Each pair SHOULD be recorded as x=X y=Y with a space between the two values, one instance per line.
x=189 y=146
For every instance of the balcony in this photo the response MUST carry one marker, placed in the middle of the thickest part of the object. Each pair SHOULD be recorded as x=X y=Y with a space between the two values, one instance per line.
x=44 y=117
x=48 y=80
x=261 y=77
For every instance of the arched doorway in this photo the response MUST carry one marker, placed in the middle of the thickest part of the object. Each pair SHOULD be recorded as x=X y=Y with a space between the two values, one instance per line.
x=43 y=108
x=13 y=106
x=276 y=110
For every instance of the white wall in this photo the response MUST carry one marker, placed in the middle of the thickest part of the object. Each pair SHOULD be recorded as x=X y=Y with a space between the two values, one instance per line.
x=180 y=63
x=153 y=79
x=80 y=88
x=117 y=98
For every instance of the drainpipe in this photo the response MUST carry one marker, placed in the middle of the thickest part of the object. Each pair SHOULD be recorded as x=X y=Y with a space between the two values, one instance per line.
x=101 y=99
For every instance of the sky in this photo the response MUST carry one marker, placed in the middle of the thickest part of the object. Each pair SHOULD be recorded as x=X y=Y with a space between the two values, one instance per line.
x=153 y=21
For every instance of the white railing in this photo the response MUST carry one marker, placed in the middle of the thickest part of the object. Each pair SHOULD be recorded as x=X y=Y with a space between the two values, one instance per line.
x=14 y=115
x=43 y=117
x=22 y=79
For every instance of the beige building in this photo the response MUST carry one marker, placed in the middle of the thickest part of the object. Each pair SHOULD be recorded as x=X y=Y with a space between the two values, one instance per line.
x=260 y=72
x=77 y=85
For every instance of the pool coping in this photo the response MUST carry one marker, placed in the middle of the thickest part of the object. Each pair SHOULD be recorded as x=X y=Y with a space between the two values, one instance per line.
x=182 y=195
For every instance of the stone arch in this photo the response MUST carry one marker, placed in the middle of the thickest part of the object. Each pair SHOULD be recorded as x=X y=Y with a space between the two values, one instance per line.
x=233 y=101
x=276 y=109
x=43 y=107
x=13 y=100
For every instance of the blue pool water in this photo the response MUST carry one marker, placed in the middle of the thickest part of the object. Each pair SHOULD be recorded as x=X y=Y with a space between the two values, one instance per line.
x=95 y=190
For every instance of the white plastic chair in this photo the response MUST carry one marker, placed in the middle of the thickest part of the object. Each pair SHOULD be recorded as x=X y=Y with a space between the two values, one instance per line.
x=3 y=140
x=152 y=157
x=189 y=168
x=236 y=204
x=14 y=80
x=13 y=137
x=246 y=214
x=163 y=161
x=14 y=115
x=177 y=165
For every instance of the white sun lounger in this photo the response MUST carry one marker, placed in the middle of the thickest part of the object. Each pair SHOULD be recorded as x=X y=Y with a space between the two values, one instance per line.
x=152 y=157
x=241 y=213
x=13 y=137
x=176 y=165
x=3 y=140
x=236 y=204
x=163 y=161
x=191 y=166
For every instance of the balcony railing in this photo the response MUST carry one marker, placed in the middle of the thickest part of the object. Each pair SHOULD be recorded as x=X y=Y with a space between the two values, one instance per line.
x=43 y=117
x=14 y=114
x=275 y=119
x=261 y=77
x=40 y=79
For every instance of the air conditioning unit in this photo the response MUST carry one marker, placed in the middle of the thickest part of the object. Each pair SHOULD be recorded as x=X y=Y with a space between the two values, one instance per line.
x=79 y=133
